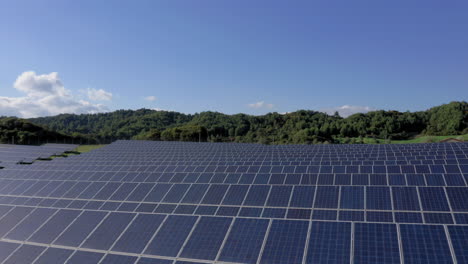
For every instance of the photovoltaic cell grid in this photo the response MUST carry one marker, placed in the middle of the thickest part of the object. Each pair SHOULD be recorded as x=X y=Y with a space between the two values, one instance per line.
x=11 y=155
x=173 y=202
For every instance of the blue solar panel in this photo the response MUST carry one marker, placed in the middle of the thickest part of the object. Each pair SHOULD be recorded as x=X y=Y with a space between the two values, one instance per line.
x=176 y=193
x=185 y=209
x=435 y=180
x=227 y=211
x=405 y=199
x=375 y=216
x=415 y=180
x=195 y=193
x=215 y=194
x=137 y=235
x=24 y=254
x=341 y=183
x=250 y=212
x=378 y=198
x=303 y=196
x=274 y=213
x=329 y=243
x=458 y=197
x=461 y=218
x=90 y=189
x=6 y=249
x=433 y=199
x=235 y=195
x=171 y=236
x=286 y=241
x=401 y=217
x=54 y=256
x=206 y=238
x=206 y=210
x=106 y=192
x=298 y=213
x=425 y=244
x=459 y=238
x=52 y=228
x=30 y=224
x=12 y=218
x=352 y=197
x=257 y=195
x=438 y=218
x=326 y=197
x=351 y=216
x=154 y=261
x=454 y=179
x=376 y=243
x=108 y=231
x=244 y=241
x=80 y=228
x=81 y=257
x=279 y=196
x=118 y=259
x=158 y=192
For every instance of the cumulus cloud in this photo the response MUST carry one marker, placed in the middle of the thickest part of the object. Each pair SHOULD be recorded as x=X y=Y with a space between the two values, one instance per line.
x=161 y=109
x=98 y=95
x=347 y=110
x=260 y=105
x=44 y=95
x=150 y=98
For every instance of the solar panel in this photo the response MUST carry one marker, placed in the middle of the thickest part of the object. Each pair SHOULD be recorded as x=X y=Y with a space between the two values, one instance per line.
x=54 y=256
x=138 y=233
x=425 y=244
x=244 y=241
x=174 y=202
x=25 y=254
x=330 y=242
x=206 y=238
x=108 y=231
x=285 y=242
x=171 y=236
x=459 y=238
x=376 y=243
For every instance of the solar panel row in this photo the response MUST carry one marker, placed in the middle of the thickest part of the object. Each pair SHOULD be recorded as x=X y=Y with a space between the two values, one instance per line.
x=172 y=202
x=225 y=238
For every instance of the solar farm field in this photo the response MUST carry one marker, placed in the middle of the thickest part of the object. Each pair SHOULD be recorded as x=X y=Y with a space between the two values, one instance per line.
x=178 y=202
x=11 y=155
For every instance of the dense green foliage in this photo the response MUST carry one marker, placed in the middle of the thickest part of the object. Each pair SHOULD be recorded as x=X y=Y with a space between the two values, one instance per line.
x=300 y=127
x=19 y=131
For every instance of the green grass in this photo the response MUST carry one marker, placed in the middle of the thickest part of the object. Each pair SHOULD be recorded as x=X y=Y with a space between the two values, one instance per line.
x=87 y=148
x=429 y=139
x=417 y=139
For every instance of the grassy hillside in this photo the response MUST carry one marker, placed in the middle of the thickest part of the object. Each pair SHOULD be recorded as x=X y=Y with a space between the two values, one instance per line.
x=20 y=131
x=87 y=148
x=430 y=139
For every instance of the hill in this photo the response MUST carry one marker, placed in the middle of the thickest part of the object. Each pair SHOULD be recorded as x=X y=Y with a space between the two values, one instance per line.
x=300 y=127
x=20 y=131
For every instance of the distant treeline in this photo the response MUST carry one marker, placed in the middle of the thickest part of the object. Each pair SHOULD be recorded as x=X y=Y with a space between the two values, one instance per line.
x=20 y=131
x=300 y=127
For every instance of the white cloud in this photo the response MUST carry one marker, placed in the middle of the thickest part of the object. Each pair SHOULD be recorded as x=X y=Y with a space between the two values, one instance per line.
x=44 y=95
x=347 y=110
x=160 y=109
x=150 y=98
x=260 y=105
x=98 y=95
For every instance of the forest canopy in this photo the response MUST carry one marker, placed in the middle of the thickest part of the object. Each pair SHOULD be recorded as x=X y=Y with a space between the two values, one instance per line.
x=300 y=127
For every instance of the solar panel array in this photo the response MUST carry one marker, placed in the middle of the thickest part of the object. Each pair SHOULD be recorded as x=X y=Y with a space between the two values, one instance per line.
x=172 y=202
x=11 y=155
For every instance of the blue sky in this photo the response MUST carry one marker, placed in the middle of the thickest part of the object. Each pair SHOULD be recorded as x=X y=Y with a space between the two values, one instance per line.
x=231 y=56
